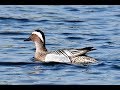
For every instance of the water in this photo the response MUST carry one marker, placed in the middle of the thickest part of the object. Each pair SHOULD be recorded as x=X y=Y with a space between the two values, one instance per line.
x=65 y=26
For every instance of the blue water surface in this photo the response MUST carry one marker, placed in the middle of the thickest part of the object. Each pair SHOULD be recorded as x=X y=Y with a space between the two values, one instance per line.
x=65 y=26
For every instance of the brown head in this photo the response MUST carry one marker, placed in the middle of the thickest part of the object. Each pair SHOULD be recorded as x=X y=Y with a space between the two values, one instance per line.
x=37 y=36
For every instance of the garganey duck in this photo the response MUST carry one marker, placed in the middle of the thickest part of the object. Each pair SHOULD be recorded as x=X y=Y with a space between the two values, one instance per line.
x=62 y=55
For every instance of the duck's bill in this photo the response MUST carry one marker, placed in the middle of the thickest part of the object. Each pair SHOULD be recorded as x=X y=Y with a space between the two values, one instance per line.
x=28 y=39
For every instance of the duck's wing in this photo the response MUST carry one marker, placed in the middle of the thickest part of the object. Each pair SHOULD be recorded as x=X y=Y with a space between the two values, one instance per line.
x=83 y=59
x=73 y=52
x=81 y=51
x=61 y=56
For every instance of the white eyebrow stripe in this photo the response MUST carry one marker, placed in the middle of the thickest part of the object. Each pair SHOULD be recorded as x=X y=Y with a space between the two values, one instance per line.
x=39 y=35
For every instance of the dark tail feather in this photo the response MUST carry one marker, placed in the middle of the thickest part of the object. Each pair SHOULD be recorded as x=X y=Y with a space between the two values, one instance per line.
x=88 y=48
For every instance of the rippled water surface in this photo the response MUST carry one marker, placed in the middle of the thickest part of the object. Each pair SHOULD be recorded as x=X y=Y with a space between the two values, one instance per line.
x=65 y=26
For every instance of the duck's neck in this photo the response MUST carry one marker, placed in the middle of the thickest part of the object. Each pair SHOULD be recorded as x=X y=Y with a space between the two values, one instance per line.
x=41 y=51
x=40 y=47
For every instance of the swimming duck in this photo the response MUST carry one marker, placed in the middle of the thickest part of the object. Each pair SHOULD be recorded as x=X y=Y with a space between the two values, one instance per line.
x=70 y=55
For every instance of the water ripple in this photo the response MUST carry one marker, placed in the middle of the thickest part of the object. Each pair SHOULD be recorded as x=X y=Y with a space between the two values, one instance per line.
x=18 y=38
x=73 y=21
x=71 y=9
x=12 y=33
x=75 y=38
x=116 y=67
x=98 y=39
x=15 y=63
x=15 y=19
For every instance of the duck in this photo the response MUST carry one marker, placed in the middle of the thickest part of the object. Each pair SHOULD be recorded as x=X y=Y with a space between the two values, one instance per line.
x=68 y=55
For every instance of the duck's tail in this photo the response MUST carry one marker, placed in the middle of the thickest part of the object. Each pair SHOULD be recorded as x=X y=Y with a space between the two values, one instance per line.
x=88 y=48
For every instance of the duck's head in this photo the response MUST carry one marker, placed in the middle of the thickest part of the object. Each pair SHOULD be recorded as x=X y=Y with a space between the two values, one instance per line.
x=36 y=36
